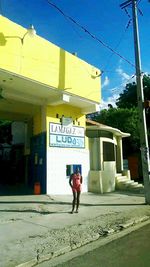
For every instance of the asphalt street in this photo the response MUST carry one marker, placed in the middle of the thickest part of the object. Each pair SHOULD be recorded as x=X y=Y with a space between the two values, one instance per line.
x=35 y=229
x=130 y=250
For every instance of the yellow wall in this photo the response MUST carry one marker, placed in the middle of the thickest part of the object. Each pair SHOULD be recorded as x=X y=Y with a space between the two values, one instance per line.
x=43 y=61
x=67 y=111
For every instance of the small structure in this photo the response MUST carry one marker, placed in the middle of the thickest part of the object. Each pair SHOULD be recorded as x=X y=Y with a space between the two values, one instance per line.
x=106 y=156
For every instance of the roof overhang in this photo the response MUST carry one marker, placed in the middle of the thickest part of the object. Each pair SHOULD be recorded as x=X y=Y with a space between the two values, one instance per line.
x=102 y=127
x=22 y=89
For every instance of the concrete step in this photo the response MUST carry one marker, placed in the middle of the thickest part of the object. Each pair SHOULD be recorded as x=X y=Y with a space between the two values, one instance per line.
x=122 y=178
x=129 y=182
x=136 y=189
x=134 y=184
x=121 y=185
x=121 y=182
x=124 y=183
x=137 y=186
x=118 y=174
x=140 y=185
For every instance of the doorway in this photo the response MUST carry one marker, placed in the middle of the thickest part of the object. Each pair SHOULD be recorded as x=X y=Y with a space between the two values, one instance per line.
x=13 y=161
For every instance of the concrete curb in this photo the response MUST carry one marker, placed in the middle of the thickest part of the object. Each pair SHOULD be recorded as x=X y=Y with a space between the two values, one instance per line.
x=133 y=222
x=31 y=263
x=94 y=237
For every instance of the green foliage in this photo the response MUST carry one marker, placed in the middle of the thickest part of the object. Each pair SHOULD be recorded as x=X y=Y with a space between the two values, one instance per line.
x=146 y=85
x=125 y=120
x=128 y=98
x=125 y=116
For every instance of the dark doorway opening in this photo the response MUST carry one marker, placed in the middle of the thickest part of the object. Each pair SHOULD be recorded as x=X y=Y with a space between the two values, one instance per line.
x=13 y=162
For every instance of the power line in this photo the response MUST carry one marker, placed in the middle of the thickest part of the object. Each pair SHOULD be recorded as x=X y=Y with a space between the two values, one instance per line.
x=117 y=45
x=89 y=33
x=121 y=86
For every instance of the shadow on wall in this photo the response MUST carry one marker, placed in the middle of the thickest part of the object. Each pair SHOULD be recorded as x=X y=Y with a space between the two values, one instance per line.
x=3 y=40
x=62 y=69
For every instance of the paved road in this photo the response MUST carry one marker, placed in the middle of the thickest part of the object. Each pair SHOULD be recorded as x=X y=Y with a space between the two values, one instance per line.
x=41 y=225
x=132 y=250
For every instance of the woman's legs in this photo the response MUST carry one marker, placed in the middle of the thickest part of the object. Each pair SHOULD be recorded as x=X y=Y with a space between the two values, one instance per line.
x=78 y=201
x=74 y=201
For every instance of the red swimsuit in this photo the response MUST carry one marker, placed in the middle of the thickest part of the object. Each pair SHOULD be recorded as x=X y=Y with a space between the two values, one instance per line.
x=76 y=182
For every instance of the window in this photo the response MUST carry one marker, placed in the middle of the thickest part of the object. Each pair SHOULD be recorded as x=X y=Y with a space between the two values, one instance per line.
x=108 y=151
x=72 y=168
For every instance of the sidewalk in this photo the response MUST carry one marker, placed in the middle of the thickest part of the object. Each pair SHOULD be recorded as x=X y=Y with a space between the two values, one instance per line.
x=36 y=228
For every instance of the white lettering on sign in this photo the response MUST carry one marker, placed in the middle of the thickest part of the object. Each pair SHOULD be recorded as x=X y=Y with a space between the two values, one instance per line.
x=63 y=136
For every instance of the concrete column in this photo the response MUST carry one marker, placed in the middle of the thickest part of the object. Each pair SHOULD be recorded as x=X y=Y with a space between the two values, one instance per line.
x=119 y=160
x=96 y=154
x=95 y=163
x=101 y=154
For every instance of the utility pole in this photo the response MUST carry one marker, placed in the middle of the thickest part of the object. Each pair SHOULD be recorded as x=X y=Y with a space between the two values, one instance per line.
x=140 y=99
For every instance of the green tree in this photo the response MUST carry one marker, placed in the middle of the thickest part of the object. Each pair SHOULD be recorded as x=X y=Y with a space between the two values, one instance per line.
x=128 y=98
x=125 y=116
x=124 y=119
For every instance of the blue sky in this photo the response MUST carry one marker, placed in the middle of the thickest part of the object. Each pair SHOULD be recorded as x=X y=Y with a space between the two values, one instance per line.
x=104 y=19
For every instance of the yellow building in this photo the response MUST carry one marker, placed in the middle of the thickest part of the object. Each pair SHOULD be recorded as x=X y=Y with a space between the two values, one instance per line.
x=45 y=92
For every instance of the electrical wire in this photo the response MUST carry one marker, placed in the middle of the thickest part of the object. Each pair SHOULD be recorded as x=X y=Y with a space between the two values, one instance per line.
x=89 y=33
x=121 y=38
x=122 y=85
x=139 y=1
x=117 y=45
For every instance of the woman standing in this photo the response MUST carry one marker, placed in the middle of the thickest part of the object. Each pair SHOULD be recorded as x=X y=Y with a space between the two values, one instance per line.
x=75 y=182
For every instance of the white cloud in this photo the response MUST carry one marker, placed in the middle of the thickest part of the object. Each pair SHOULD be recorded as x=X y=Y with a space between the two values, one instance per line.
x=126 y=78
x=123 y=74
x=106 y=82
x=110 y=100
x=147 y=73
x=117 y=90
